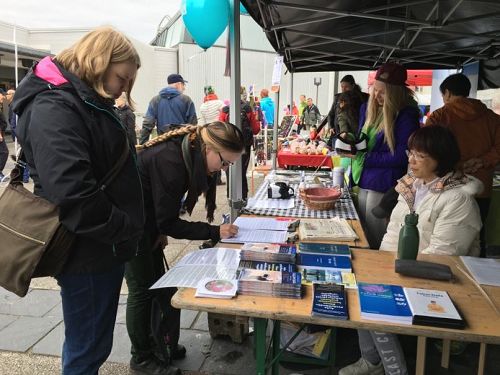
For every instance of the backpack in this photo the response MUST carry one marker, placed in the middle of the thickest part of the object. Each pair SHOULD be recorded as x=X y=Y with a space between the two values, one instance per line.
x=246 y=127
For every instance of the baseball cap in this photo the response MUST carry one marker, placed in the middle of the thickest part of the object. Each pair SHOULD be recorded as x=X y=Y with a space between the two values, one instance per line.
x=174 y=78
x=393 y=74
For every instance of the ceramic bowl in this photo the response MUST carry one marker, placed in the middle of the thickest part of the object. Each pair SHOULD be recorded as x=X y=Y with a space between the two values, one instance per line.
x=322 y=194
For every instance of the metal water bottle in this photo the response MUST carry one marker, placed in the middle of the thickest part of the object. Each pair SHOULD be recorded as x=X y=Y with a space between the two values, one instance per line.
x=409 y=238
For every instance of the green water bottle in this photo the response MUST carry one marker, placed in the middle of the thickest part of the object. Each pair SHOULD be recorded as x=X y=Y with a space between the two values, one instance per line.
x=409 y=238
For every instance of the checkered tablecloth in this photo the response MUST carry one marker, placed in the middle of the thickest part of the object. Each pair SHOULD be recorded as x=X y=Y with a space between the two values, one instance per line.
x=344 y=208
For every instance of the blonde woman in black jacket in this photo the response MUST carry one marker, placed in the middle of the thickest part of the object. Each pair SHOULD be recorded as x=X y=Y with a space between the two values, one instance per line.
x=71 y=138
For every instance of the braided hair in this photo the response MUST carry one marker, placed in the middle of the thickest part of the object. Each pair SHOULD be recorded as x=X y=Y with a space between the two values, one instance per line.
x=218 y=135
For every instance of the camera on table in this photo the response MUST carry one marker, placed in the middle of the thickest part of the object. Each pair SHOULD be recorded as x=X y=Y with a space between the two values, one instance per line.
x=280 y=190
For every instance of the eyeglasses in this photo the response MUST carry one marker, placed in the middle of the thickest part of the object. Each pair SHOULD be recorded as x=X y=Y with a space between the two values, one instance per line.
x=414 y=155
x=225 y=163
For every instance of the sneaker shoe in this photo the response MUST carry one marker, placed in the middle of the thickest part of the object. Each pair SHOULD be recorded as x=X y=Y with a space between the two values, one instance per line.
x=152 y=366
x=362 y=367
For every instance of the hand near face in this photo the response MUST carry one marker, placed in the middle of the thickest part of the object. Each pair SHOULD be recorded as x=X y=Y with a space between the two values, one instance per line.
x=228 y=230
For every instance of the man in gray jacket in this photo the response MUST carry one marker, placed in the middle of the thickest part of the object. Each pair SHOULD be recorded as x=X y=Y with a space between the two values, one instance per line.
x=169 y=107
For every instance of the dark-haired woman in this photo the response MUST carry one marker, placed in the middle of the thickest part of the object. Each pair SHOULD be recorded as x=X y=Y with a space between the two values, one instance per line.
x=184 y=160
x=448 y=224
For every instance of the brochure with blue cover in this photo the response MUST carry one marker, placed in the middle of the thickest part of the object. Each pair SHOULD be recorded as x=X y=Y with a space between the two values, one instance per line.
x=324 y=248
x=318 y=261
x=329 y=301
x=387 y=303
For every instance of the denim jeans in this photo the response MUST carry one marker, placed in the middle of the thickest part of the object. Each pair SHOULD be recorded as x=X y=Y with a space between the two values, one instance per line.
x=90 y=302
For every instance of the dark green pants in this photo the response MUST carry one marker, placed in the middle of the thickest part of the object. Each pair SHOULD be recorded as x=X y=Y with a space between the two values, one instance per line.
x=142 y=272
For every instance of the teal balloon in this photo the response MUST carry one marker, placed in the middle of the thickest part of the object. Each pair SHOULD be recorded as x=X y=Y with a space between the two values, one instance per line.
x=205 y=20
x=243 y=9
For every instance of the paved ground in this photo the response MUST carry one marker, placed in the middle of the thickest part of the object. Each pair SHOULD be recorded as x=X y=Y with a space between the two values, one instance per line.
x=31 y=333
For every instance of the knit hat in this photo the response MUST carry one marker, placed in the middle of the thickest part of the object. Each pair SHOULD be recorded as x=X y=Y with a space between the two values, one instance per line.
x=392 y=73
x=209 y=90
x=349 y=79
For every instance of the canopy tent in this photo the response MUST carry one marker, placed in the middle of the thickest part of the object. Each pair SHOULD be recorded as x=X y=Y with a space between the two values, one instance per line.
x=336 y=35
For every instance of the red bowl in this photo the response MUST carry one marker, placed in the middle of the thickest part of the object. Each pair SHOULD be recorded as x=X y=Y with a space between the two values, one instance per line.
x=322 y=194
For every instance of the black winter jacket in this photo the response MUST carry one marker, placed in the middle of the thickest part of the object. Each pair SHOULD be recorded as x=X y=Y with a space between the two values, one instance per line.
x=165 y=180
x=71 y=138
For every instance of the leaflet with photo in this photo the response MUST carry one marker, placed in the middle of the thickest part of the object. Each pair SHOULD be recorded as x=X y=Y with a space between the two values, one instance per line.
x=217 y=288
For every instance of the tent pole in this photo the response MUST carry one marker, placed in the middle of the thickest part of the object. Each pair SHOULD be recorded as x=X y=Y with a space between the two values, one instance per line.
x=235 y=180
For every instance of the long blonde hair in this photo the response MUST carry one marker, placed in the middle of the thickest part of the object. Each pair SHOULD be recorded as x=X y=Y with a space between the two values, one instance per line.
x=395 y=99
x=90 y=57
x=219 y=136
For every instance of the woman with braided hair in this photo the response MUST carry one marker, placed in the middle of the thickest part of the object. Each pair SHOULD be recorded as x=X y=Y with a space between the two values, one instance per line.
x=183 y=160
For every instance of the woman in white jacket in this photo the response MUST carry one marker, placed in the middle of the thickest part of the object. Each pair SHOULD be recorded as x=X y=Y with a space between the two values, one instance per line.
x=448 y=224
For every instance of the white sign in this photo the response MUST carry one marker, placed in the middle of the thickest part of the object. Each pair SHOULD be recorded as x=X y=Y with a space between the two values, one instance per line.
x=278 y=63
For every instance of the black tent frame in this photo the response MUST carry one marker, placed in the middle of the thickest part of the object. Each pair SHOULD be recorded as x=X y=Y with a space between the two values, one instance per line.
x=339 y=35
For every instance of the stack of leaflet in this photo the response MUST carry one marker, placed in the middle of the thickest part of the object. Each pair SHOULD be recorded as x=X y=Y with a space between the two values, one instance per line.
x=268 y=266
x=326 y=268
x=267 y=252
x=269 y=283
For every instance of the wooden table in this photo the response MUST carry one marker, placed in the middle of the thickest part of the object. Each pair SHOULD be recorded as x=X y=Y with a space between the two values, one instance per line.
x=370 y=266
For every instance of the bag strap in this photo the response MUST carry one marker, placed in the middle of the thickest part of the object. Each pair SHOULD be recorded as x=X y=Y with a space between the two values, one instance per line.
x=16 y=175
x=186 y=155
x=113 y=172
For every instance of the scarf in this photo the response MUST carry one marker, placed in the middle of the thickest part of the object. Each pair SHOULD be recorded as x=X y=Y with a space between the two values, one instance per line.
x=199 y=182
x=449 y=181
x=210 y=97
x=371 y=132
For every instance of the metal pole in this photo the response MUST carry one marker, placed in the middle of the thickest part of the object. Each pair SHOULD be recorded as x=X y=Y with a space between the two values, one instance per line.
x=235 y=182
x=274 y=151
x=291 y=94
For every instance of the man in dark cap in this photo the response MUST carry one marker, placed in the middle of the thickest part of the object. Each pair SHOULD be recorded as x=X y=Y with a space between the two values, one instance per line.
x=169 y=107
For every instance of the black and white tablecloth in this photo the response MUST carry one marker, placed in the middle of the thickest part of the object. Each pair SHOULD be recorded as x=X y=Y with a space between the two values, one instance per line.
x=344 y=208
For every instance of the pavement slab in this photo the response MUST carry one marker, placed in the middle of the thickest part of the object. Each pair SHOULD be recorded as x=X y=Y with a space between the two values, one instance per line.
x=25 y=332
x=198 y=347
x=36 y=303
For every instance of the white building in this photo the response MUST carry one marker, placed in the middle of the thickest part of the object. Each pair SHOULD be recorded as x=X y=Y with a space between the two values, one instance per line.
x=174 y=51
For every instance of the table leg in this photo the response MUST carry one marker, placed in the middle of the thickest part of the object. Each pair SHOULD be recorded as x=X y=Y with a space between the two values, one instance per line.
x=482 y=358
x=260 y=345
x=421 y=346
x=445 y=356
x=276 y=347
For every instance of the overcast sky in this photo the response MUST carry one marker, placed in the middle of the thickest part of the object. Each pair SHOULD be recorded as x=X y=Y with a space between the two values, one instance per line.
x=138 y=19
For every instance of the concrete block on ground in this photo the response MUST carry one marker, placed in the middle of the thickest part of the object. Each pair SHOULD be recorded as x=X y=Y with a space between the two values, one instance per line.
x=201 y=323
x=6 y=320
x=227 y=357
x=121 y=345
x=122 y=310
x=36 y=303
x=187 y=318
x=25 y=332
x=52 y=343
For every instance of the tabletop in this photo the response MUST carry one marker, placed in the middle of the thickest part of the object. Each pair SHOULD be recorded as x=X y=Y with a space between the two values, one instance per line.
x=483 y=325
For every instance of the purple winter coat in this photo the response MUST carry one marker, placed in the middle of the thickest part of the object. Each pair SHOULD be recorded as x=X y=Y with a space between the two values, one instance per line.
x=381 y=168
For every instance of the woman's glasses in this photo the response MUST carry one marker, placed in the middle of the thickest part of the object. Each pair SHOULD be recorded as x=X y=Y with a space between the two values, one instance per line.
x=224 y=163
x=414 y=155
